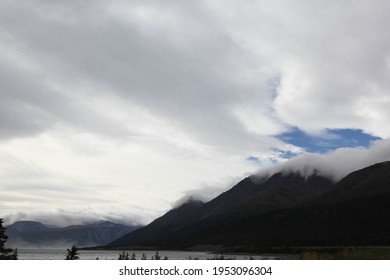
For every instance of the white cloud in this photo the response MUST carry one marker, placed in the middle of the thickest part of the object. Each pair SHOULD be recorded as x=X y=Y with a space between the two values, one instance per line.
x=336 y=164
x=139 y=102
x=331 y=58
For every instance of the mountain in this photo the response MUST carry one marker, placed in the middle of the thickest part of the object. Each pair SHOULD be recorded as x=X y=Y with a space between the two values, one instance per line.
x=25 y=226
x=283 y=210
x=258 y=195
x=250 y=197
x=355 y=211
x=35 y=234
x=367 y=182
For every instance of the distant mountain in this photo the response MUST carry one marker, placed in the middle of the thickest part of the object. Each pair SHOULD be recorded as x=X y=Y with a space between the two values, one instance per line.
x=35 y=234
x=283 y=210
x=25 y=226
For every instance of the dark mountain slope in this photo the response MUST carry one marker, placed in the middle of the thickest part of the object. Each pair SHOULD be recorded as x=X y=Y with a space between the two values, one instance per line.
x=359 y=214
x=250 y=197
x=284 y=191
x=257 y=195
x=356 y=222
x=163 y=227
x=363 y=183
x=283 y=210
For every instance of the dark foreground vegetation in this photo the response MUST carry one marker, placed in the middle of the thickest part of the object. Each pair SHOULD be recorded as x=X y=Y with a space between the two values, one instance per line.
x=6 y=253
x=347 y=253
x=315 y=253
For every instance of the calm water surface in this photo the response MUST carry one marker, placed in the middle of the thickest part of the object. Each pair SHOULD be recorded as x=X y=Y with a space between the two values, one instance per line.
x=59 y=254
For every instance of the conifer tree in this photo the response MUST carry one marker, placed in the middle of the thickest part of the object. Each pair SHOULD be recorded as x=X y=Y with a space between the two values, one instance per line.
x=6 y=253
x=72 y=253
x=124 y=256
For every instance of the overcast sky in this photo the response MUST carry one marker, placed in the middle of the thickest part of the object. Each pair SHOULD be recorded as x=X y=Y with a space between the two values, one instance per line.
x=117 y=109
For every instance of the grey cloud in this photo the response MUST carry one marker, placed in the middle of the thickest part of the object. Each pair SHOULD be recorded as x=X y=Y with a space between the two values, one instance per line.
x=19 y=116
x=185 y=63
x=226 y=75
x=189 y=86
x=336 y=67
x=31 y=106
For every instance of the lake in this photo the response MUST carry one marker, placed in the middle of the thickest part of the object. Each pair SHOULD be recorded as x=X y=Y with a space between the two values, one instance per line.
x=59 y=254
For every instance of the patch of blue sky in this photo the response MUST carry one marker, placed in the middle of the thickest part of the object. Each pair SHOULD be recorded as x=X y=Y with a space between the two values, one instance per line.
x=330 y=140
x=278 y=155
x=253 y=159
x=285 y=154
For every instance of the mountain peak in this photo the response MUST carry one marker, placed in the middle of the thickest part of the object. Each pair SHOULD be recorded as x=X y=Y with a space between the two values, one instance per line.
x=194 y=201
x=188 y=201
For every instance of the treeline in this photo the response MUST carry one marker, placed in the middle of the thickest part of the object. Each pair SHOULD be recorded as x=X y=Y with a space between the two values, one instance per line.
x=126 y=256
x=73 y=255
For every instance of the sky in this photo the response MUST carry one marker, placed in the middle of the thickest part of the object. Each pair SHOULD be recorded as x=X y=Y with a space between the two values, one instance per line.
x=118 y=109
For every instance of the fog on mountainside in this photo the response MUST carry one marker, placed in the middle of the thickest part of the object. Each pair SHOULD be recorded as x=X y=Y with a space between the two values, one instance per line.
x=334 y=165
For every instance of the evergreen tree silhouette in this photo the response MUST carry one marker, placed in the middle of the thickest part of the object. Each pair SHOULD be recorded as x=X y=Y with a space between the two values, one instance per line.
x=72 y=253
x=6 y=253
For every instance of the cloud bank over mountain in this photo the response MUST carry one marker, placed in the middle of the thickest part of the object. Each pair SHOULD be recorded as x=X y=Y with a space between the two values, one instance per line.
x=336 y=164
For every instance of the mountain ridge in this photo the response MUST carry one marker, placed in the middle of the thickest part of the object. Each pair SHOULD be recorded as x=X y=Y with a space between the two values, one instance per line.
x=284 y=209
x=35 y=234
